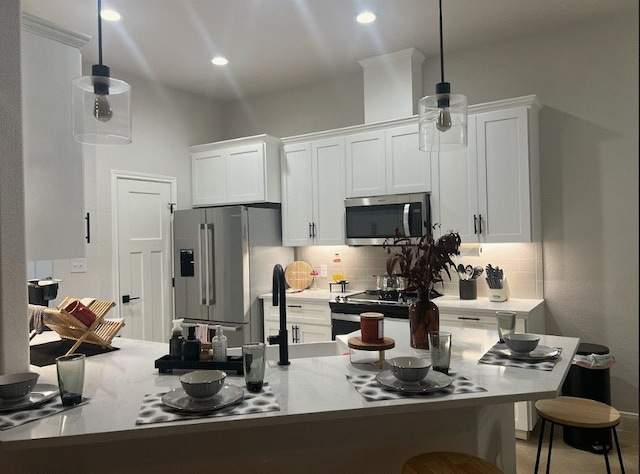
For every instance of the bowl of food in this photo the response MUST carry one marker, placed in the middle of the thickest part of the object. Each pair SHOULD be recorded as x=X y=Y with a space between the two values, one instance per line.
x=203 y=384
x=521 y=343
x=409 y=369
x=15 y=387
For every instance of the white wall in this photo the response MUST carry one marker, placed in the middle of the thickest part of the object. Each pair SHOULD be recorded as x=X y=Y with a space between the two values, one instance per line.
x=14 y=328
x=309 y=108
x=165 y=123
x=587 y=78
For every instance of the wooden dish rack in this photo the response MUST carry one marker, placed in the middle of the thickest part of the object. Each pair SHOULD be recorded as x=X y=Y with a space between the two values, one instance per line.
x=101 y=332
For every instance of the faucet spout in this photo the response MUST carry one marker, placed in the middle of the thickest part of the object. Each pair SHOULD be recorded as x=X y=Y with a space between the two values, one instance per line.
x=279 y=299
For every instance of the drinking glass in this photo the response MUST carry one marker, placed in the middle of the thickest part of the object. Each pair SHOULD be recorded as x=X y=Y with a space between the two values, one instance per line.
x=253 y=359
x=440 y=348
x=70 y=378
x=506 y=323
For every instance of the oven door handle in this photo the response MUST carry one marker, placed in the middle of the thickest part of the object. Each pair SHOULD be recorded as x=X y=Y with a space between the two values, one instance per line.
x=354 y=318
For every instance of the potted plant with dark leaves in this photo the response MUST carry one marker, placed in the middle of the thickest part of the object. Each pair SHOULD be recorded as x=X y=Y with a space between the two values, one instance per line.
x=422 y=263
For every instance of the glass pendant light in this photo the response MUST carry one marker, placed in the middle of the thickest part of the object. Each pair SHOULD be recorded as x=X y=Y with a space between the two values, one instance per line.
x=443 y=116
x=101 y=105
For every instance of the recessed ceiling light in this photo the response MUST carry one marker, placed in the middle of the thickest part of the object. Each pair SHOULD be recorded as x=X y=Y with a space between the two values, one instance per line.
x=110 y=15
x=220 y=61
x=366 y=17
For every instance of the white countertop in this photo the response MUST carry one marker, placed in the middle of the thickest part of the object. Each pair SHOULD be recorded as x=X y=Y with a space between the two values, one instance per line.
x=446 y=303
x=307 y=390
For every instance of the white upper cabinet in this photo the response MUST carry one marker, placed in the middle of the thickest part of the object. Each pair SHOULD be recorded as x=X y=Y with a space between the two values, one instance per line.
x=313 y=193
x=365 y=161
x=490 y=192
x=241 y=171
x=408 y=168
x=386 y=161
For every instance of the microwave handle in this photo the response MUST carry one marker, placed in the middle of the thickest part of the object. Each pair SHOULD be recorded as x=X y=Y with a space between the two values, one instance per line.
x=405 y=220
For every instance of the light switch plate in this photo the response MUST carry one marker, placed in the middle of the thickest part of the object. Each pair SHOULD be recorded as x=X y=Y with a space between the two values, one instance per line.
x=323 y=271
x=78 y=265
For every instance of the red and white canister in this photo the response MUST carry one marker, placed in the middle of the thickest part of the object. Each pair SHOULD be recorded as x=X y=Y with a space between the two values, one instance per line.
x=372 y=327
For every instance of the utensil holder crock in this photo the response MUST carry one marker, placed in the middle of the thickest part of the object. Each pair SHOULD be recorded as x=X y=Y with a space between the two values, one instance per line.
x=468 y=290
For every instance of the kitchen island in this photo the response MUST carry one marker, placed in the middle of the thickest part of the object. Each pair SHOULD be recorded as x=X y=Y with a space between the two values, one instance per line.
x=323 y=425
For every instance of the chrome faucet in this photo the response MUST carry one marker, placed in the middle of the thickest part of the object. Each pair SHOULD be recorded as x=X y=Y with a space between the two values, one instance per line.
x=279 y=299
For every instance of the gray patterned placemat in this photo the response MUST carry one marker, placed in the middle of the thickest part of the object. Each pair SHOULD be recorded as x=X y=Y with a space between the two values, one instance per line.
x=492 y=358
x=154 y=411
x=48 y=408
x=371 y=390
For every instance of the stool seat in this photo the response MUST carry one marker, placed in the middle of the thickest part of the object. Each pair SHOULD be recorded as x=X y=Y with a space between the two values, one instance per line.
x=578 y=412
x=582 y=413
x=444 y=462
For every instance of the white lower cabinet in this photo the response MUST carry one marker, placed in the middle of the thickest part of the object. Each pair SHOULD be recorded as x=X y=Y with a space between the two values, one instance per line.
x=525 y=414
x=306 y=322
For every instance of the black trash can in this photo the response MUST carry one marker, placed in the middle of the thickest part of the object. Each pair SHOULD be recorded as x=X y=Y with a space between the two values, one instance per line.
x=595 y=384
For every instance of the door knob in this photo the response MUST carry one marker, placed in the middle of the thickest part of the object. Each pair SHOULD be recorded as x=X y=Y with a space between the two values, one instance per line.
x=127 y=298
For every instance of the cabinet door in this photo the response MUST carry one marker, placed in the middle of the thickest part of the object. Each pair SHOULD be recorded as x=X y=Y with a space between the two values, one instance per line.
x=328 y=191
x=246 y=174
x=503 y=175
x=297 y=195
x=312 y=333
x=208 y=172
x=408 y=168
x=457 y=193
x=272 y=328
x=365 y=164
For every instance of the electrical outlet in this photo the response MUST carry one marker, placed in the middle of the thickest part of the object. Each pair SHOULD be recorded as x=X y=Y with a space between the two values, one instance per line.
x=323 y=271
x=78 y=265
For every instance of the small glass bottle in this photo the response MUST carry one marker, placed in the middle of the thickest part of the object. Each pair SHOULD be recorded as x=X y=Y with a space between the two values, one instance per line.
x=219 y=345
x=175 y=343
x=338 y=273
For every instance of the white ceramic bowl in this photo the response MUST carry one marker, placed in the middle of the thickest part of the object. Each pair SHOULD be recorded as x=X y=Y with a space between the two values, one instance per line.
x=14 y=387
x=521 y=343
x=202 y=384
x=409 y=369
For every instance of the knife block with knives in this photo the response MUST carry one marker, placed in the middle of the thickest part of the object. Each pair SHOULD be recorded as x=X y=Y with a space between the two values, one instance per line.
x=497 y=283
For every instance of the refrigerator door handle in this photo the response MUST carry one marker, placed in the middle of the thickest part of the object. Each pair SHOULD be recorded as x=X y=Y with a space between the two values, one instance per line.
x=207 y=282
x=210 y=266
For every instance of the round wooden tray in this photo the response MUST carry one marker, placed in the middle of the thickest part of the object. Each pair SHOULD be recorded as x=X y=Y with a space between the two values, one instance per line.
x=298 y=275
x=357 y=343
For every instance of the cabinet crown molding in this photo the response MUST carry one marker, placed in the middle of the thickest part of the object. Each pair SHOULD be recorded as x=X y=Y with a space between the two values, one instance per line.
x=524 y=101
x=49 y=30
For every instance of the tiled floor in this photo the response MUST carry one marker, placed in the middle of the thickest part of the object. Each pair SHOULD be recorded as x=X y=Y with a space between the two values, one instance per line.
x=566 y=459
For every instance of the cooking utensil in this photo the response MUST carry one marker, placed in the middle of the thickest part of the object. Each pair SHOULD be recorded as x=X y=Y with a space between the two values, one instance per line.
x=469 y=271
x=477 y=271
x=390 y=282
x=461 y=272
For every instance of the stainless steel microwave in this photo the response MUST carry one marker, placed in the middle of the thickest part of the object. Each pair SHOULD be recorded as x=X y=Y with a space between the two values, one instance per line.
x=372 y=220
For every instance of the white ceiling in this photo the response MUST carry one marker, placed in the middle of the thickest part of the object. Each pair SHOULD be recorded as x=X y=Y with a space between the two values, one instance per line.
x=279 y=44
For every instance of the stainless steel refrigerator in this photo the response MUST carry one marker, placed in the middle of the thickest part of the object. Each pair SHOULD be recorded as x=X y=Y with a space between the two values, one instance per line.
x=224 y=259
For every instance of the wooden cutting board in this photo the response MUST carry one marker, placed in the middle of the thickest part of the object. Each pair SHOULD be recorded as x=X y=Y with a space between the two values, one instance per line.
x=298 y=275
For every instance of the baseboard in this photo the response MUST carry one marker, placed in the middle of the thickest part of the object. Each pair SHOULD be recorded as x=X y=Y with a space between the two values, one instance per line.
x=628 y=422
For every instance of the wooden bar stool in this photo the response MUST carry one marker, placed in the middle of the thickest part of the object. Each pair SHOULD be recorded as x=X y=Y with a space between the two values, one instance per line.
x=577 y=413
x=448 y=463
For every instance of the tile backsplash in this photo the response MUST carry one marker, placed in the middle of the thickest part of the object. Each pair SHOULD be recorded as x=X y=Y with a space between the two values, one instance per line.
x=521 y=262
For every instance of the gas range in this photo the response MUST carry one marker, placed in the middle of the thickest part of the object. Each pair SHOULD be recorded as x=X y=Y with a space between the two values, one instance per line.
x=392 y=304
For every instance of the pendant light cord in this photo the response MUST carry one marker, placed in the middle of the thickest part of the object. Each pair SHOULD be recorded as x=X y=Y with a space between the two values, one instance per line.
x=100 y=33
x=441 y=48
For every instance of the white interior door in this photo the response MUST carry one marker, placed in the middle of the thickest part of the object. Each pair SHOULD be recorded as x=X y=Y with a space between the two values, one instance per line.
x=144 y=257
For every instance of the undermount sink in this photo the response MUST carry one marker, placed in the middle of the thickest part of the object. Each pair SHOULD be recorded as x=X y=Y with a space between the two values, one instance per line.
x=301 y=351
